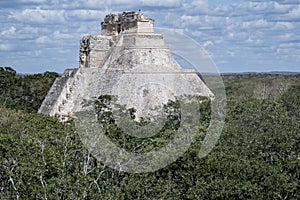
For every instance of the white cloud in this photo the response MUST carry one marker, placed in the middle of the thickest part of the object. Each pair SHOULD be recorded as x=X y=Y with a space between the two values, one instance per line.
x=196 y=7
x=187 y=20
x=86 y=14
x=281 y=7
x=201 y=21
x=265 y=8
x=59 y=35
x=20 y=3
x=285 y=37
x=19 y=32
x=6 y=47
x=290 y=45
x=39 y=16
x=118 y=2
x=230 y=53
x=208 y=43
x=290 y=1
x=92 y=3
x=9 y=32
x=283 y=26
x=160 y=3
x=199 y=3
x=261 y=23
x=294 y=14
x=33 y=1
x=43 y=40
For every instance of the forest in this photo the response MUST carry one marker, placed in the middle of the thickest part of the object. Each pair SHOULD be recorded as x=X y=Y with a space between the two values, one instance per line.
x=256 y=157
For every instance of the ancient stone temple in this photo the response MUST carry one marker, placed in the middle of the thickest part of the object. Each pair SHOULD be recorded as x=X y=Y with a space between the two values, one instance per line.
x=127 y=60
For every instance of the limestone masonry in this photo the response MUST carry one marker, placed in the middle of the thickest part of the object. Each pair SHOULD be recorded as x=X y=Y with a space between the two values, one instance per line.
x=127 y=60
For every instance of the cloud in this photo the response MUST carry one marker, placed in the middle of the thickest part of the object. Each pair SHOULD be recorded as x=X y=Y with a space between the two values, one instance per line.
x=6 y=47
x=17 y=32
x=260 y=23
x=43 y=40
x=32 y=1
x=289 y=1
x=9 y=32
x=267 y=9
x=59 y=35
x=84 y=15
x=187 y=20
x=38 y=16
x=196 y=7
x=160 y=3
x=119 y=2
x=283 y=26
x=91 y=4
x=208 y=43
x=294 y=14
x=20 y=3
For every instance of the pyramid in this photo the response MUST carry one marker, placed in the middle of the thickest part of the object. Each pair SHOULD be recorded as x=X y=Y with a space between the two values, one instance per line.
x=127 y=60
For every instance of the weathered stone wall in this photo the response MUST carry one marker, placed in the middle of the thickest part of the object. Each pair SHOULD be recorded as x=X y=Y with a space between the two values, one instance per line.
x=93 y=50
x=59 y=89
x=145 y=27
x=147 y=40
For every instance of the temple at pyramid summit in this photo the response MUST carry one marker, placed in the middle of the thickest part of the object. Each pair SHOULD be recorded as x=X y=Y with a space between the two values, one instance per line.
x=128 y=60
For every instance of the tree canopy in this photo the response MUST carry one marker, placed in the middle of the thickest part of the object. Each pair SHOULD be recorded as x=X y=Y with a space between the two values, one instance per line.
x=257 y=155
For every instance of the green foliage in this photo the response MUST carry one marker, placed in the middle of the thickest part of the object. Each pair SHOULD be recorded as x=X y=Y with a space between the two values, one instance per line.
x=258 y=86
x=291 y=99
x=108 y=110
x=257 y=156
x=25 y=92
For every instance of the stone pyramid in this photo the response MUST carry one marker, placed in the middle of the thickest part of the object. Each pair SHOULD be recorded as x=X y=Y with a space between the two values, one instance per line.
x=127 y=60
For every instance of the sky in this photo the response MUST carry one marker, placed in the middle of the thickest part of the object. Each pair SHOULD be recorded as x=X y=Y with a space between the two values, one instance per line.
x=240 y=36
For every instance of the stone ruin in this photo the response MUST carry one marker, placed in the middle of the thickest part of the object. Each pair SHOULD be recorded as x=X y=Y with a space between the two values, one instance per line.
x=93 y=49
x=126 y=22
x=127 y=60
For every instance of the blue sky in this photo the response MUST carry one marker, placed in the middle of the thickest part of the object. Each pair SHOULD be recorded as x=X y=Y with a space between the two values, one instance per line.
x=240 y=36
